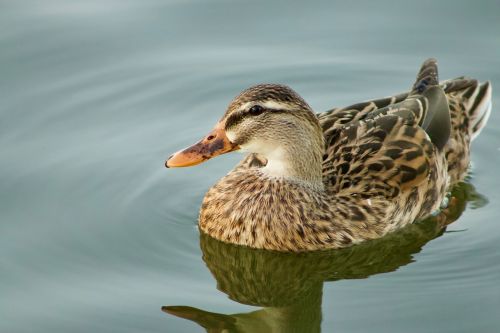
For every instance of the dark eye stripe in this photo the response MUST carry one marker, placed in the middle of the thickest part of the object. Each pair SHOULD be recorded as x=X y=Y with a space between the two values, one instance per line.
x=234 y=119
x=237 y=117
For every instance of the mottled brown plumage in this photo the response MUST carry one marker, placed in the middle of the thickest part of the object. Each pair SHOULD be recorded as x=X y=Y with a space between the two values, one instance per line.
x=344 y=176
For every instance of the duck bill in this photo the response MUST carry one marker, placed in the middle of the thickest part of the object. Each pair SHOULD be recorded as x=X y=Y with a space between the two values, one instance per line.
x=213 y=144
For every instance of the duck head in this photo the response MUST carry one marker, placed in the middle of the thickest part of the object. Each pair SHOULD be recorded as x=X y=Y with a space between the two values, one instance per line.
x=270 y=120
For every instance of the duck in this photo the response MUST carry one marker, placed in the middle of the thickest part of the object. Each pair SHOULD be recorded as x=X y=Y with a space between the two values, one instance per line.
x=342 y=177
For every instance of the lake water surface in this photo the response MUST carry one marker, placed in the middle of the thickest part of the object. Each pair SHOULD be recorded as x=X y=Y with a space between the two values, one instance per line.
x=97 y=236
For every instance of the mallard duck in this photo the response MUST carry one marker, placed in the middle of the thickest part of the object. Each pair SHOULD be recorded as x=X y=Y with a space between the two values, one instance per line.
x=342 y=177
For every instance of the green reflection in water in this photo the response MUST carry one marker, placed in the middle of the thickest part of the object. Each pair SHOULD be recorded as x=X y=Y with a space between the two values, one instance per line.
x=289 y=285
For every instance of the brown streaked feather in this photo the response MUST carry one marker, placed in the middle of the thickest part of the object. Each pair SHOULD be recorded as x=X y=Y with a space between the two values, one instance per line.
x=378 y=157
x=462 y=102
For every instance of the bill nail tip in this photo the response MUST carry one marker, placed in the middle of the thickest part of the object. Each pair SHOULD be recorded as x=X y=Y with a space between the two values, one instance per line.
x=166 y=162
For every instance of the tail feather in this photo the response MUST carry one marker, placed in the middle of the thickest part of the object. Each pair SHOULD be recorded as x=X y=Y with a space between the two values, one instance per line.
x=480 y=109
x=476 y=98
x=427 y=77
x=458 y=84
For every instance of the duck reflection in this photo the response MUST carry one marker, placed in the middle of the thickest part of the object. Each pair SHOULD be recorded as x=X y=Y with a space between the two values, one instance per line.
x=289 y=285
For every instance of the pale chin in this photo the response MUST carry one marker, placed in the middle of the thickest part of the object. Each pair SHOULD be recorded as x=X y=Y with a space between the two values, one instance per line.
x=230 y=135
x=252 y=146
x=247 y=148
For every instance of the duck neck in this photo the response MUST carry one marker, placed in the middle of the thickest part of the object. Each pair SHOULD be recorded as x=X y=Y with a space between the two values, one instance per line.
x=298 y=162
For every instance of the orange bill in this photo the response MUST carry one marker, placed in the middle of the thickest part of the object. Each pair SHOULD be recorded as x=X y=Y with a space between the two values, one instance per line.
x=214 y=144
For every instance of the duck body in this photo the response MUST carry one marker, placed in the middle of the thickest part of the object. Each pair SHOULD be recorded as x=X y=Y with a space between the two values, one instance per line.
x=338 y=178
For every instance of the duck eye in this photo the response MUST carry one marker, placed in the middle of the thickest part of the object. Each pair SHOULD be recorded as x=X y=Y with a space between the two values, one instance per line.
x=256 y=110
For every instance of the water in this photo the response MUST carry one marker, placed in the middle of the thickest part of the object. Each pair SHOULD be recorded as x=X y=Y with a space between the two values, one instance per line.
x=96 y=235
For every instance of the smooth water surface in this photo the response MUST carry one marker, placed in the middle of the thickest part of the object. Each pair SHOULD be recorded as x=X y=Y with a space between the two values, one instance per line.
x=97 y=236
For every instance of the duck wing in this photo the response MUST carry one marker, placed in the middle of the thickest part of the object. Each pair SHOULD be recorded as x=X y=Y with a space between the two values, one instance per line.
x=384 y=150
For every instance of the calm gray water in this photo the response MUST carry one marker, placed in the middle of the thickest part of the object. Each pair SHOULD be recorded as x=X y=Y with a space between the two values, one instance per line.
x=96 y=235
